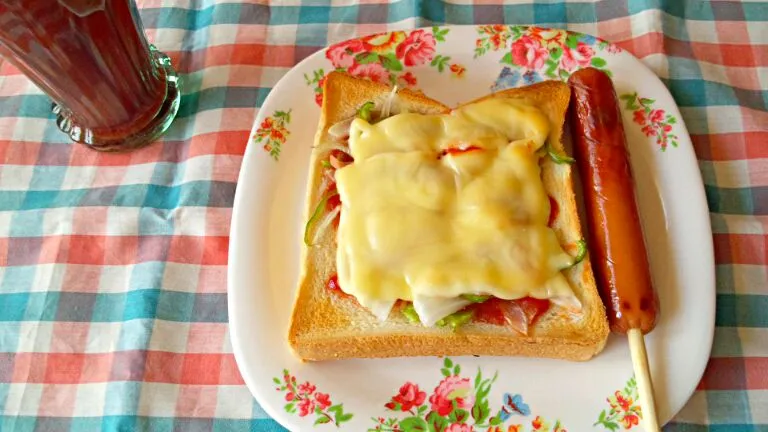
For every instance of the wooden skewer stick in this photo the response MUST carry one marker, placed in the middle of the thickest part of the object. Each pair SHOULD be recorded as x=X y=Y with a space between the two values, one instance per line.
x=644 y=383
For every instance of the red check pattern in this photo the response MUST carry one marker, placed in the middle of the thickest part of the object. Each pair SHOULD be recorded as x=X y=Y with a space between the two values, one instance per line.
x=112 y=267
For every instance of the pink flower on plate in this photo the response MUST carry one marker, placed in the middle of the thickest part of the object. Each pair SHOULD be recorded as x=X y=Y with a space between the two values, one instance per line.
x=639 y=116
x=648 y=130
x=342 y=55
x=458 y=427
x=319 y=94
x=307 y=388
x=418 y=48
x=579 y=57
x=373 y=71
x=529 y=53
x=613 y=48
x=452 y=389
x=323 y=400
x=306 y=406
x=408 y=397
x=656 y=115
x=407 y=80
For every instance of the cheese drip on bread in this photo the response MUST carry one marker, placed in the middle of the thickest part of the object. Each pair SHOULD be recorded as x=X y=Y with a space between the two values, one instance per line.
x=438 y=206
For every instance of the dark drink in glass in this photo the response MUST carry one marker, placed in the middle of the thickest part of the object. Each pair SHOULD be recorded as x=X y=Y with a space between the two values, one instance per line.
x=111 y=90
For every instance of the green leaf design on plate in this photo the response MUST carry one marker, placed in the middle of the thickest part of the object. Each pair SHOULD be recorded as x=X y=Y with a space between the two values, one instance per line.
x=458 y=416
x=440 y=61
x=556 y=54
x=367 y=58
x=439 y=34
x=413 y=424
x=391 y=62
x=598 y=62
x=481 y=410
x=436 y=422
x=572 y=41
x=551 y=68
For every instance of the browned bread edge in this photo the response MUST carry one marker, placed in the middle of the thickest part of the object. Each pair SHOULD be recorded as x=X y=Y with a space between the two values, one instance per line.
x=326 y=326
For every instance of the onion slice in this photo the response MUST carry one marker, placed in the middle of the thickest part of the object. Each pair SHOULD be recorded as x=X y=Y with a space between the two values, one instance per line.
x=570 y=303
x=323 y=184
x=379 y=308
x=432 y=309
x=330 y=175
x=386 y=110
x=314 y=219
x=324 y=223
x=340 y=130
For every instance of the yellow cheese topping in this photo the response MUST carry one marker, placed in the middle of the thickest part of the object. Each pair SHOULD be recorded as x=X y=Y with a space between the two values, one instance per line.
x=419 y=221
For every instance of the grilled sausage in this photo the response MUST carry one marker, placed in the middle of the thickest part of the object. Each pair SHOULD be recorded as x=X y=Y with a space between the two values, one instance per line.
x=616 y=242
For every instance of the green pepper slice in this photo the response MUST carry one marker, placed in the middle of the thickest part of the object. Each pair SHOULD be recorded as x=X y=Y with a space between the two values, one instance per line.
x=475 y=298
x=316 y=215
x=365 y=112
x=559 y=158
x=456 y=319
x=410 y=313
x=581 y=253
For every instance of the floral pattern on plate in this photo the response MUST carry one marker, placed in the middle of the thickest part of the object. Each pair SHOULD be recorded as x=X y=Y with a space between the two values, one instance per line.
x=655 y=122
x=587 y=387
x=385 y=58
x=273 y=132
x=458 y=404
x=535 y=54
x=306 y=400
x=624 y=412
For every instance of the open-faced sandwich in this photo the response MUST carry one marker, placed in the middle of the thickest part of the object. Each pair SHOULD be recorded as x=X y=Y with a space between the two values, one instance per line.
x=438 y=231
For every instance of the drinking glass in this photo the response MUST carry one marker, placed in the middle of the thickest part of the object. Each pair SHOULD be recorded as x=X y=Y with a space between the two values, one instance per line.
x=111 y=90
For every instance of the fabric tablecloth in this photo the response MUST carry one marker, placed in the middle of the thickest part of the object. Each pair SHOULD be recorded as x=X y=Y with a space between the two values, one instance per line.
x=113 y=312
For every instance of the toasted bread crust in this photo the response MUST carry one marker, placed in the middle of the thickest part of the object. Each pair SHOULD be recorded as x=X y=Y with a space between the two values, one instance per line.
x=325 y=325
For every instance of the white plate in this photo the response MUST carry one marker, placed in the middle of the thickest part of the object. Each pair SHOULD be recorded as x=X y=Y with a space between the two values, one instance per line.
x=455 y=64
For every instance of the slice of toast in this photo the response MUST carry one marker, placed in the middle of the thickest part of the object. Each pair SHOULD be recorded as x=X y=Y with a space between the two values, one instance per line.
x=325 y=325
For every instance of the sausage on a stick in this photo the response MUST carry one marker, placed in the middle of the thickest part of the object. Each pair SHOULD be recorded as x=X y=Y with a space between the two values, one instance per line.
x=616 y=239
x=616 y=242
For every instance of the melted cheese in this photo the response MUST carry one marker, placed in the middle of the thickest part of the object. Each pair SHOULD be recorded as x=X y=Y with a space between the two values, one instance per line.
x=419 y=223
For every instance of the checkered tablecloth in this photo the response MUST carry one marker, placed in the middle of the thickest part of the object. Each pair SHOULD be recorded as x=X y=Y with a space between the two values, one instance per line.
x=112 y=267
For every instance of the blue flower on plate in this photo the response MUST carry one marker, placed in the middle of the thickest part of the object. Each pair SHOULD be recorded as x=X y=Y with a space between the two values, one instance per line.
x=531 y=77
x=588 y=39
x=513 y=405
x=511 y=78
x=507 y=79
